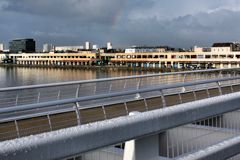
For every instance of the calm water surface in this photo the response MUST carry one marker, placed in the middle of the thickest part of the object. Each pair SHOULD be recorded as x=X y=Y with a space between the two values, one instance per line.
x=17 y=76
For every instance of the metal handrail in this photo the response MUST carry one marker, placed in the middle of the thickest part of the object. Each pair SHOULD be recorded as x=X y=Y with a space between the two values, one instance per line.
x=109 y=95
x=109 y=79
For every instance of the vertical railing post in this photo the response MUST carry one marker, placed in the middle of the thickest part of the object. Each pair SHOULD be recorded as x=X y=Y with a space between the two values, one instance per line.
x=110 y=87
x=16 y=102
x=168 y=146
x=104 y=112
x=194 y=94
x=219 y=87
x=17 y=128
x=163 y=99
x=77 y=106
x=184 y=80
x=77 y=91
x=125 y=85
x=38 y=99
x=126 y=108
x=146 y=105
x=95 y=89
x=139 y=83
x=59 y=94
x=208 y=94
x=50 y=123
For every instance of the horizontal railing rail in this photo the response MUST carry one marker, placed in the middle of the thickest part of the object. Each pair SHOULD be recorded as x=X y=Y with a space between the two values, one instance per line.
x=112 y=79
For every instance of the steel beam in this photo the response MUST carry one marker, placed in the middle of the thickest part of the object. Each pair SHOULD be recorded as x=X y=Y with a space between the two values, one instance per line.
x=220 y=151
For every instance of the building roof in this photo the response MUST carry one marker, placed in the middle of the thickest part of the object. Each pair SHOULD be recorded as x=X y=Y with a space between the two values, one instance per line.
x=229 y=44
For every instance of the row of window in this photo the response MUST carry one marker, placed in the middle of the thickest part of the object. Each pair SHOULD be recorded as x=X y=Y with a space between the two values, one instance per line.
x=52 y=57
x=141 y=56
x=175 y=56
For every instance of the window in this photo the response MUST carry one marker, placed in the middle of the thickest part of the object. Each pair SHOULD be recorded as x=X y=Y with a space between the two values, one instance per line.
x=162 y=56
x=194 y=56
x=222 y=56
x=150 y=56
x=208 y=56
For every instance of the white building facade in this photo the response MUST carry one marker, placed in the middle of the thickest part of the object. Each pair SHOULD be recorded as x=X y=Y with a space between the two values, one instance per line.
x=109 y=46
x=68 y=48
x=1 y=46
x=47 y=48
x=88 y=46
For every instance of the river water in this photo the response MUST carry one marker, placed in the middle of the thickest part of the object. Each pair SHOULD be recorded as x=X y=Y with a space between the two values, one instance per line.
x=18 y=76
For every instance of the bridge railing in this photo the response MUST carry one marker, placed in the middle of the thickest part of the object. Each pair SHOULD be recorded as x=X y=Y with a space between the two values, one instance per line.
x=19 y=121
x=86 y=138
x=21 y=95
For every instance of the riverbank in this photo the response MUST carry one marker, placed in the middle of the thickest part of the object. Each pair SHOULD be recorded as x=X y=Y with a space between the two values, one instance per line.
x=103 y=68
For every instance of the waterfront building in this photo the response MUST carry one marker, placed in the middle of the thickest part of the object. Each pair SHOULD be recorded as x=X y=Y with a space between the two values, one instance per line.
x=1 y=46
x=220 y=55
x=68 y=48
x=88 y=46
x=22 y=45
x=59 y=59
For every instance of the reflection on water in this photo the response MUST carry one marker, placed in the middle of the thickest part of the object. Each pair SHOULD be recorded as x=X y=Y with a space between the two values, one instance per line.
x=16 y=76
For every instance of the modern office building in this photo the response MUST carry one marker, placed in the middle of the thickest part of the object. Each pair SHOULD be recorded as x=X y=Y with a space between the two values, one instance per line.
x=88 y=46
x=22 y=46
x=47 y=48
x=109 y=46
x=1 y=47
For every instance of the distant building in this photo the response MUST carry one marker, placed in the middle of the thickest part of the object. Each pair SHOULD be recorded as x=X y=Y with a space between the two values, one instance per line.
x=146 y=49
x=22 y=45
x=68 y=48
x=109 y=46
x=1 y=47
x=88 y=46
x=95 y=47
x=226 y=47
x=47 y=48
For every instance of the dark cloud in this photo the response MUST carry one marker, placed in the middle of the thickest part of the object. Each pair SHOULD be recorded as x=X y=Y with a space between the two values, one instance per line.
x=181 y=23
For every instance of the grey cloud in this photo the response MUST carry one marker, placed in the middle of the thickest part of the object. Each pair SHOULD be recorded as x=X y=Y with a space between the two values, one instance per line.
x=181 y=23
x=100 y=11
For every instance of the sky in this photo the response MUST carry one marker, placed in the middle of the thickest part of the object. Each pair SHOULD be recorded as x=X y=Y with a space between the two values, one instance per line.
x=176 y=23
